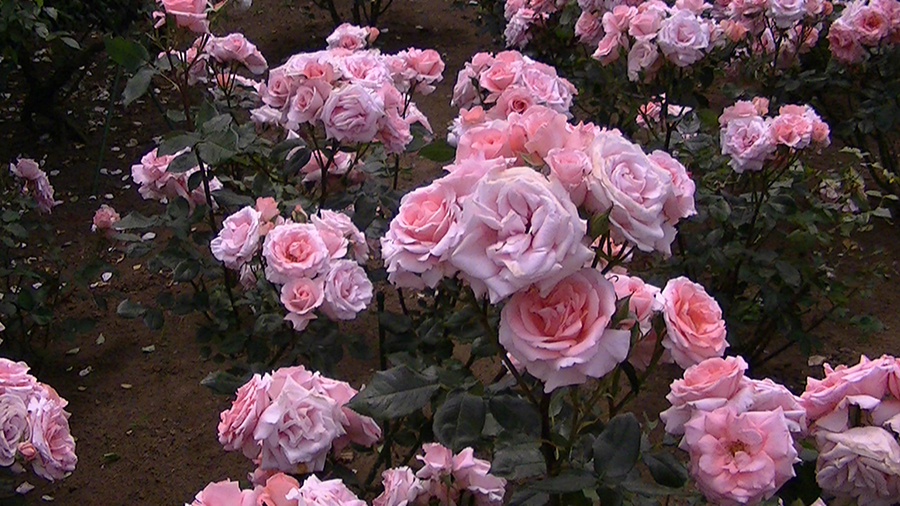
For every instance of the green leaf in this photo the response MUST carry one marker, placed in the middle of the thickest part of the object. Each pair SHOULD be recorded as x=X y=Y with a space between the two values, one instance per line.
x=127 y=53
x=137 y=85
x=268 y=323
x=186 y=270
x=618 y=447
x=789 y=274
x=176 y=143
x=529 y=497
x=229 y=198
x=516 y=415
x=573 y=480
x=183 y=163
x=666 y=469
x=393 y=393
x=128 y=309
x=213 y=154
x=364 y=211
x=135 y=220
x=69 y=41
x=223 y=382
x=438 y=151
x=519 y=460
x=459 y=421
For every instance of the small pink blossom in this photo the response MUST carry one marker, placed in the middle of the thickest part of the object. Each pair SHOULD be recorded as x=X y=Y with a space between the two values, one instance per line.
x=347 y=290
x=104 y=218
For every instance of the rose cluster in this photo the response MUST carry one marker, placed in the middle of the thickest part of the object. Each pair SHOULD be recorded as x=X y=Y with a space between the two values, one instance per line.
x=444 y=477
x=36 y=184
x=158 y=183
x=740 y=433
x=864 y=24
x=854 y=414
x=750 y=140
x=317 y=263
x=291 y=419
x=522 y=14
x=355 y=95
x=34 y=426
x=278 y=489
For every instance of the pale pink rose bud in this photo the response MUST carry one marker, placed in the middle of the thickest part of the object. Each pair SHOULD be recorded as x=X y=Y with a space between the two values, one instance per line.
x=607 y=49
x=27 y=451
x=247 y=277
x=104 y=218
x=238 y=240
x=267 y=208
x=236 y=424
x=347 y=290
x=570 y=167
x=294 y=250
x=694 y=324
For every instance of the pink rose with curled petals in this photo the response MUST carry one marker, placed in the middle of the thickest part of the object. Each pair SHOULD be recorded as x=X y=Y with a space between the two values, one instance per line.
x=844 y=42
x=104 y=218
x=487 y=141
x=735 y=31
x=394 y=133
x=51 y=438
x=426 y=64
x=190 y=14
x=421 y=236
x=862 y=463
x=695 y=329
x=643 y=55
x=306 y=103
x=869 y=22
x=705 y=386
x=791 y=128
x=238 y=240
x=464 y=91
x=766 y=395
x=36 y=183
x=742 y=109
x=739 y=459
x=547 y=89
x=235 y=47
x=278 y=89
x=514 y=99
x=26 y=168
x=14 y=427
x=267 y=208
x=359 y=429
x=570 y=167
x=645 y=24
x=521 y=229
x=868 y=378
x=347 y=290
x=607 y=49
x=301 y=296
x=339 y=233
x=473 y=474
x=684 y=38
x=563 y=338
x=14 y=378
x=237 y=423
x=437 y=467
x=537 y=131
x=401 y=488
x=294 y=250
x=275 y=490
x=350 y=37
x=499 y=76
x=748 y=142
x=351 y=114
x=681 y=202
x=315 y=492
x=588 y=29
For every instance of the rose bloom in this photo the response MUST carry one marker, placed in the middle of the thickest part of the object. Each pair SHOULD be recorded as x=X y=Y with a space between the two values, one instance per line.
x=870 y=23
x=683 y=38
x=643 y=303
x=473 y=474
x=297 y=429
x=238 y=240
x=748 y=142
x=513 y=99
x=351 y=114
x=695 y=329
x=786 y=13
x=104 y=218
x=236 y=424
x=521 y=229
x=791 y=128
x=588 y=29
x=570 y=167
x=37 y=183
x=486 y=141
x=51 y=438
x=516 y=32
x=537 y=131
x=563 y=338
x=225 y=493
x=869 y=378
x=275 y=490
x=766 y=395
x=339 y=233
x=190 y=14
x=547 y=88
x=862 y=463
x=401 y=488
x=350 y=37
x=236 y=47
x=634 y=190
x=324 y=493
x=306 y=103
x=844 y=42
x=301 y=296
x=14 y=378
x=360 y=430
x=14 y=427
x=739 y=459
x=741 y=109
x=643 y=55
x=347 y=290
x=294 y=250
x=421 y=236
x=426 y=66
x=681 y=203
x=705 y=386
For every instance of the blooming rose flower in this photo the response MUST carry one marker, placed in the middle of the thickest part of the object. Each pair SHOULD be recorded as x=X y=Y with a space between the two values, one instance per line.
x=401 y=488
x=588 y=29
x=301 y=296
x=51 y=438
x=681 y=203
x=238 y=240
x=844 y=42
x=683 y=38
x=14 y=427
x=739 y=459
x=351 y=114
x=190 y=14
x=225 y=493
x=563 y=337
x=347 y=290
x=297 y=429
x=570 y=167
x=472 y=474
x=324 y=493
x=104 y=218
x=861 y=463
x=276 y=489
x=486 y=141
x=425 y=66
x=36 y=183
x=643 y=55
x=536 y=132
x=705 y=386
x=332 y=224
x=351 y=37
x=521 y=229
x=546 y=87
x=14 y=378
x=294 y=250
x=633 y=189
x=748 y=142
x=235 y=47
x=869 y=22
x=866 y=379
x=766 y=395
x=695 y=329
x=786 y=13
x=237 y=424
x=421 y=236
x=791 y=128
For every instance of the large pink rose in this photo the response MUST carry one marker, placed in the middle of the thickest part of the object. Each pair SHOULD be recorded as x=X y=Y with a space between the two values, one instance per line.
x=347 y=290
x=14 y=427
x=401 y=488
x=294 y=250
x=297 y=429
x=499 y=76
x=486 y=141
x=301 y=296
x=238 y=240
x=695 y=329
x=683 y=38
x=635 y=190
x=870 y=23
x=868 y=379
x=748 y=142
x=426 y=66
x=563 y=338
x=421 y=236
x=351 y=37
x=862 y=463
x=235 y=47
x=705 y=386
x=278 y=89
x=315 y=492
x=792 y=128
x=306 y=103
x=351 y=114
x=14 y=378
x=190 y=14
x=521 y=229
x=225 y=493
x=236 y=424
x=51 y=438
x=844 y=42
x=739 y=459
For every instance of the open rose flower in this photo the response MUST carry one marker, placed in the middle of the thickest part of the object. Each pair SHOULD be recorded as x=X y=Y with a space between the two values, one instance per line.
x=190 y=14
x=705 y=386
x=236 y=425
x=401 y=488
x=238 y=240
x=748 y=142
x=694 y=324
x=315 y=492
x=294 y=250
x=352 y=37
x=14 y=428
x=301 y=296
x=683 y=38
x=352 y=114
x=563 y=338
x=340 y=235
x=347 y=290
x=862 y=463
x=225 y=493
x=51 y=438
x=234 y=47
x=275 y=490
x=521 y=229
x=104 y=219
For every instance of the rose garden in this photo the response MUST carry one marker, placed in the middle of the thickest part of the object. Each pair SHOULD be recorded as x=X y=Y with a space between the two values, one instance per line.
x=496 y=252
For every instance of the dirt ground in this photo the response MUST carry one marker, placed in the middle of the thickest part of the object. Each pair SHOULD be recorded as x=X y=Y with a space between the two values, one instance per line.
x=145 y=428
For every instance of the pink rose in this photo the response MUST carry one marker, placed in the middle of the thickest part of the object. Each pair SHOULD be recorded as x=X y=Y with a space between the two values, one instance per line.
x=746 y=109
x=695 y=6
x=681 y=202
x=237 y=424
x=694 y=324
x=791 y=129
x=862 y=463
x=625 y=182
x=735 y=31
x=393 y=132
x=766 y=395
x=643 y=55
x=516 y=32
x=513 y=99
x=36 y=183
x=548 y=89
x=786 y=13
x=238 y=240
x=487 y=141
x=235 y=47
x=521 y=229
x=26 y=168
x=472 y=474
x=347 y=290
x=14 y=378
x=570 y=167
x=225 y=493
x=350 y=37
x=339 y=165
x=563 y=337
x=588 y=29
x=537 y=131
x=464 y=91
x=748 y=142
x=51 y=438
x=190 y=14
x=297 y=429
x=324 y=493
x=339 y=232
x=705 y=386
x=499 y=76
x=421 y=236
x=464 y=175
x=739 y=459
x=14 y=427
x=267 y=208
x=683 y=38
x=844 y=42
x=306 y=103
x=426 y=65
x=276 y=489
x=351 y=114
x=294 y=250
x=433 y=476
x=616 y=20
x=104 y=218
x=301 y=296
x=401 y=488
x=869 y=22
x=607 y=49
x=869 y=379
x=643 y=303
x=278 y=89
